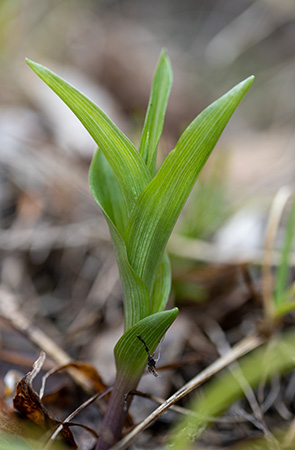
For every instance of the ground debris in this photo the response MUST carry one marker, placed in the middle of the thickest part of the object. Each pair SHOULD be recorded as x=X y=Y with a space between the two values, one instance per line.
x=27 y=402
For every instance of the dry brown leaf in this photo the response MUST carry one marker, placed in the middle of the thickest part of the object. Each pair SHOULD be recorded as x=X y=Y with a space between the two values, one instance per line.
x=86 y=370
x=90 y=372
x=27 y=402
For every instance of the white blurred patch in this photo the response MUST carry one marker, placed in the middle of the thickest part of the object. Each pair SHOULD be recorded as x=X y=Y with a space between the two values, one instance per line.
x=241 y=235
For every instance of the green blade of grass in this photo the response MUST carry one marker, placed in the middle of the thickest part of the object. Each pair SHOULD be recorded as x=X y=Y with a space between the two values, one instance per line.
x=284 y=308
x=126 y=162
x=158 y=207
x=283 y=270
x=273 y=358
x=130 y=353
x=155 y=114
x=101 y=177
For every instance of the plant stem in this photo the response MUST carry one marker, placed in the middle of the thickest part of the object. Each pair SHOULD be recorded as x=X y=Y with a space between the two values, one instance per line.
x=242 y=348
x=117 y=411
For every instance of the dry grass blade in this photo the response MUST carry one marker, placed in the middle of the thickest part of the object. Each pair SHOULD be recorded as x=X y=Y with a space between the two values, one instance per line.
x=198 y=250
x=248 y=344
x=189 y=412
x=279 y=202
x=218 y=337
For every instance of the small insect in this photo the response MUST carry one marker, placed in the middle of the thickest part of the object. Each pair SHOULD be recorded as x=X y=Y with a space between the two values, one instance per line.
x=151 y=361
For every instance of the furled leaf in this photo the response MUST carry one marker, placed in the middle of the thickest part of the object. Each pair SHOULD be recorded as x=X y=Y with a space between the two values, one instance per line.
x=155 y=114
x=162 y=285
x=103 y=184
x=130 y=353
x=126 y=162
x=136 y=298
x=159 y=205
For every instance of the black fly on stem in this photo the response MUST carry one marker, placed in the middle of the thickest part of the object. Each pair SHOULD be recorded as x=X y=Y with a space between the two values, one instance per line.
x=151 y=361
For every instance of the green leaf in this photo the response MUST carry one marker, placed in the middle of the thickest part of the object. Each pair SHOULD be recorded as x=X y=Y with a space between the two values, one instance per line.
x=283 y=270
x=162 y=285
x=284 y=308
x=155 y=114
x=136 y=298
x=106 y=190
x=126 y=162
x=159 y=205
x=130 y=354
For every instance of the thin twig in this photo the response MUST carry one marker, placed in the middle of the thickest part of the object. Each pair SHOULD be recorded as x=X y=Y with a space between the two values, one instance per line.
x=217 y=336
x=74 y=414
x=240 y=416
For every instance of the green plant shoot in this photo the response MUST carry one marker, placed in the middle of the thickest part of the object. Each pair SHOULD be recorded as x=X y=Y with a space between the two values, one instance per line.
x=141 y=208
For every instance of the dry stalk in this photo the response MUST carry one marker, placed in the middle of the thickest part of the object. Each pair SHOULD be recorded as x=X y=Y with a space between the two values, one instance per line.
x=279 y=202
x=198 y=250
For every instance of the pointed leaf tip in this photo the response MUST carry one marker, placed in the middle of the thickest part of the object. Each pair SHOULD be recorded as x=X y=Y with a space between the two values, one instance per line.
x=249 y=80
x=155 y=115
x=119 y=151
x=130 y=355
x=159 y=205
x=30 y=63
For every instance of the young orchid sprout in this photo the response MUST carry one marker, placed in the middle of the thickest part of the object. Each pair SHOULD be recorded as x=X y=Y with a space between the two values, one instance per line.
x=141 y=207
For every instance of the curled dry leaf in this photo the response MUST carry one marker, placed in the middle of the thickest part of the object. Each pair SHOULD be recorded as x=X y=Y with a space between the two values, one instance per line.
x=91 y=373
x=27 y=402
x=85 y=370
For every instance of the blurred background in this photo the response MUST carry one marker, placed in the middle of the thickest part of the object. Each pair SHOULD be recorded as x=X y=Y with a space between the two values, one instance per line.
x=56 y=257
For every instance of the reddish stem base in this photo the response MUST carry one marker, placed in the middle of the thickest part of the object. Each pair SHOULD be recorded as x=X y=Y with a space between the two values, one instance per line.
x=116 y=413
